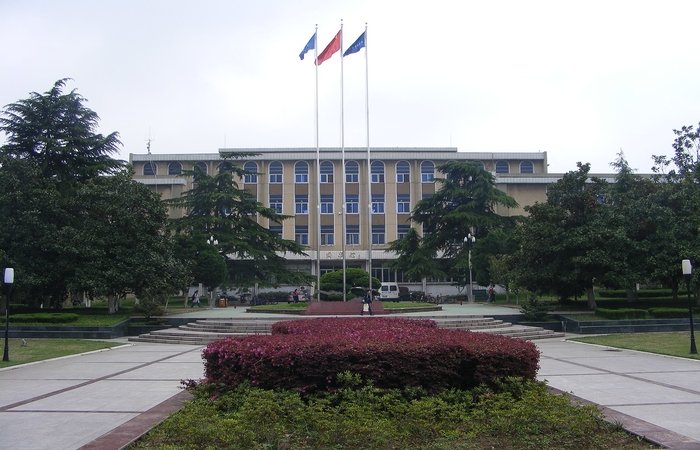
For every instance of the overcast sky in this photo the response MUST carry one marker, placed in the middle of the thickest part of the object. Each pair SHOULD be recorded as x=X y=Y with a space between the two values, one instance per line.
x=580 y=80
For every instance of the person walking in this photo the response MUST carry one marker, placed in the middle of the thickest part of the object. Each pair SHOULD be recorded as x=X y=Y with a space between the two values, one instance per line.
x=295 y=296
x=195 y=299
x=367 y=303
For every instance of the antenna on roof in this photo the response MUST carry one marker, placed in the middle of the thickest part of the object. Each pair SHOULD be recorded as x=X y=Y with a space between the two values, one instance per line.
x=148 y=145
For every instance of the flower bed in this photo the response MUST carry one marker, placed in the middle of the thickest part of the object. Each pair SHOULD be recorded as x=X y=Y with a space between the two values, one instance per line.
x=306 y=355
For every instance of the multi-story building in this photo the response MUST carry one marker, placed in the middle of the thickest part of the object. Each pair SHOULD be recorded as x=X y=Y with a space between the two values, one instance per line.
x=371 y=199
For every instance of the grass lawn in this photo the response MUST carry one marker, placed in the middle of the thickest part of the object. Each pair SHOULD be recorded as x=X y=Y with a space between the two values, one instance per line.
x=41 y=349
x=672 y=343
x=279 y=306
x=85 y=319
x=399 y=305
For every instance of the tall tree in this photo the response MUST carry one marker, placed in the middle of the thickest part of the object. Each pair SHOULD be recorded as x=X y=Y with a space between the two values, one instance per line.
x=216 y=207
x=465 y=202
x=565 y=243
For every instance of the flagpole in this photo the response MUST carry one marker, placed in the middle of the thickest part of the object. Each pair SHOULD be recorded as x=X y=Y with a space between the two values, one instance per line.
x=318 y=182
x=342 y=152
x=369 y=170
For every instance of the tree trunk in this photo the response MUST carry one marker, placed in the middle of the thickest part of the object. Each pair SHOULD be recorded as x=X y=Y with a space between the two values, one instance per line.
x=591 y=298
x=631 y=294
x=112 y=304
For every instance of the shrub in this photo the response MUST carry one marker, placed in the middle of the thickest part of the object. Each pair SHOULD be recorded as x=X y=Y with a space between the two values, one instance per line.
x=671 y=313
x=621 y=313
x=533 y=310
x=45 y=317
x=273 y=297
x=390 y=352
x=642 y=293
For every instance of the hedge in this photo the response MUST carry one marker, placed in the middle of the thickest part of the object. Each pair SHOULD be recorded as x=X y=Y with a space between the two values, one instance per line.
x=668 y=312
x=394 y=353
x=621 y=313
x=642 y=293
x=42 y=318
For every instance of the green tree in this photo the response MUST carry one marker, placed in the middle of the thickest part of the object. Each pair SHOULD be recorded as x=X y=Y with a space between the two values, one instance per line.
x=218 y=210
x=465 y=202
x=565 y=244
x=71 y=218
x=354 y=278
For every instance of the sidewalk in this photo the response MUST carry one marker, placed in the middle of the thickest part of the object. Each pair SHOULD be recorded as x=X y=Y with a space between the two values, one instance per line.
x=103 y=400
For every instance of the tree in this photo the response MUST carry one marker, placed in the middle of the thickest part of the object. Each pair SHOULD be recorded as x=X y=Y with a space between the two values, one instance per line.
x=465 y=202
x=217 y=208
x=354 y=278
x=71 y=218
x=565 y=244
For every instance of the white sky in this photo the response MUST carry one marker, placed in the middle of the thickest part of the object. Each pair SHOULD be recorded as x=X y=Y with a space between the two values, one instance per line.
x=577 y=79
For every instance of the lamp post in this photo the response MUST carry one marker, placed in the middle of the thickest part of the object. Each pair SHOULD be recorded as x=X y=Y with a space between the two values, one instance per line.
x=687 y=274
x=9 y=279
x=469 y=242
x=215 y=243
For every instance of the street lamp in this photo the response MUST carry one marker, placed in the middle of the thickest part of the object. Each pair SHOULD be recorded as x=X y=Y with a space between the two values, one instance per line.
x=469 y=242
x=687 y=274
x=9 y=279
x=214 y=242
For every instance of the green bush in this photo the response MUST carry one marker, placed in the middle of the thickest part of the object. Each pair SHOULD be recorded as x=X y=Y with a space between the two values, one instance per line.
x=642 y=293
x=621 y=313
x=514 y=414
x=273 y=297
x=534 y=310
x=671 y=313
x=45 y=317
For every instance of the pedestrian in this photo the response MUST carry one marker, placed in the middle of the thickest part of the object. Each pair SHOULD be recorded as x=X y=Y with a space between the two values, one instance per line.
x=367 y=303
x=492 y=294
x=195 y=298
x=295 y=296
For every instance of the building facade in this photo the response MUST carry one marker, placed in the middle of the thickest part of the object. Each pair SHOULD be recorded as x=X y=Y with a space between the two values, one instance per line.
x=350 y=202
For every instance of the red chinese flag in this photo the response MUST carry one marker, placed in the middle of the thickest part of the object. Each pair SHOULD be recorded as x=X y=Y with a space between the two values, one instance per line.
x=332 y=47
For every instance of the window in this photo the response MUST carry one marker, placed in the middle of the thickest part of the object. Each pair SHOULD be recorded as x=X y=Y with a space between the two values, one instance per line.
x=403 y=172
x=277 y=229
x=327 y=237
x=403 y=203
x=174 y=168
x=378 y=236
x=479 y=164
x=427 y=172
x=150 y=168
x=502 y=167
x=327 y=204
x=377 y=169
x=301 y=172
x=527 y=167
x=201 y=166
x=225 y=167
x=301 y=234
x=352 y=204
x=352 y=172
x=352 y=234
x=251 y=176
x=276 y=203
x=326 y=172
x=377 y=203
x=275 y=172
x=301 y=204
x=402 y=230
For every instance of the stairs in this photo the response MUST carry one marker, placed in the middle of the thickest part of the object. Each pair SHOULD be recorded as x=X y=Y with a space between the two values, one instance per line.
x=202 y=332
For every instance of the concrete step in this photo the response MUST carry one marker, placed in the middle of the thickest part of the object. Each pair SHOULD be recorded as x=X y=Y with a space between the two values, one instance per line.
x=202 y=332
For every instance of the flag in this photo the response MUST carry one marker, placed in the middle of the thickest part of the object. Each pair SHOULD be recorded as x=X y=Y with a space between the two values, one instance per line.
x=309 y=46
x=357 y=45
x=332 y=47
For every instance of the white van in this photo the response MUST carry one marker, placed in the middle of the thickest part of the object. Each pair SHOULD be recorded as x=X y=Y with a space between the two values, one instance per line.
x=389 y=290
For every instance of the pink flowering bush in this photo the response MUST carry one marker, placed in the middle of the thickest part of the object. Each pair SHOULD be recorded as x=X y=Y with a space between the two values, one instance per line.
x=306 y=355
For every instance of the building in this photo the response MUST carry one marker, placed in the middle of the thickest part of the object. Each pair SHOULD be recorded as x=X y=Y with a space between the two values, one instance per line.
x=379 y=192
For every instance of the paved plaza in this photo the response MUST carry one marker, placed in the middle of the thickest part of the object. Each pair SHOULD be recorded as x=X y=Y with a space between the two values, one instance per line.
x=103 y=400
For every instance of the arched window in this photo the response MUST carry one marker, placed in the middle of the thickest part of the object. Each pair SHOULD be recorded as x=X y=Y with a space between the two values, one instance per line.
x=527 y=167
x=174 y=168
x=275 y=172
x=251 y=176
x=326 y=172
x=427 y=172
x=403 y=172
x=225 y=167
x=352 y=172
x=201 y=166
x=150 y=168
x=377 y=172
x=301 y=172
x=502 y=167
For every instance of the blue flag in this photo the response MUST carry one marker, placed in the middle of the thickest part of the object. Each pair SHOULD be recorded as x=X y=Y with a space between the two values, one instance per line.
x=309 y=46
x=356 y=46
